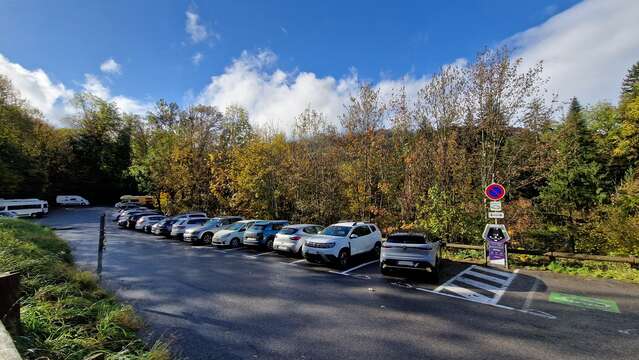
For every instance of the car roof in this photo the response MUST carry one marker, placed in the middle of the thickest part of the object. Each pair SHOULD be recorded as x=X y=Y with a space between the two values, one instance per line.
x=299 y=226
x=266 y=222
x=352 y=223
x=408 y=234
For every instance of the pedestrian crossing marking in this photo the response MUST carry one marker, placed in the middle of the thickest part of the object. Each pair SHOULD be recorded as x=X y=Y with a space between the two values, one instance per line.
x=489 y=288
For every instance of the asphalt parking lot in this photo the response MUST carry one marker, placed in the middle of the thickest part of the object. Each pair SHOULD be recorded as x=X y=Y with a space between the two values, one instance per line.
x=242 y=303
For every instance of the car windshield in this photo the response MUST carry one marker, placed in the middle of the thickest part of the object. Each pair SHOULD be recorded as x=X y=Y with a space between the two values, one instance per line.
x=212 y=222
x=235 y=227
x=288 y=231
x=257 y=227
x=335 y=231
x=407 y=239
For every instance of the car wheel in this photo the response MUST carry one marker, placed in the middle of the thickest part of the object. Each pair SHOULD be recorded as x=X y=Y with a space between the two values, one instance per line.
x=235 y=243
x=377 y=249
x=207 y=238
x=269 y=244
x=343 y=258
x=299 y=253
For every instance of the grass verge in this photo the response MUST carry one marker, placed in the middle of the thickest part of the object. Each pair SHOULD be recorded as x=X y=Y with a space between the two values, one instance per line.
x=593 y=269
x=64 y=313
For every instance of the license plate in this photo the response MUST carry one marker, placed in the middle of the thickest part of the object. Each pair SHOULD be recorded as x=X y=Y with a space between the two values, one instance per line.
x=405 y=263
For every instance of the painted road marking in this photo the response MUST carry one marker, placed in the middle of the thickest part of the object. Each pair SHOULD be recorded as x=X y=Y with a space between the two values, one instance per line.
x=493 y=283
x=345 y=272
x=584 y=302
x=296 y=262
x=533 y=312
x=265 y=253
x=232 y=249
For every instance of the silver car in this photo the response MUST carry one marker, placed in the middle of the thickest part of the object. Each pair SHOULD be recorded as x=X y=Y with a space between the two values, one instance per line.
x=292 y=237
x=410 y=251
x=178 y=229
x=204 y=233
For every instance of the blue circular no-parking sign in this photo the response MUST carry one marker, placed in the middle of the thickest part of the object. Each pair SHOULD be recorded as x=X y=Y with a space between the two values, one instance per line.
x=495 y=191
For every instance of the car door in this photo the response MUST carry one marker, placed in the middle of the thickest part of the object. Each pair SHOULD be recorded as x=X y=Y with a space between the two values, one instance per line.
x=359 y=244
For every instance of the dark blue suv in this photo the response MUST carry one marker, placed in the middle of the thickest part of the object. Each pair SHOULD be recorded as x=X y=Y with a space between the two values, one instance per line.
x=262 y=233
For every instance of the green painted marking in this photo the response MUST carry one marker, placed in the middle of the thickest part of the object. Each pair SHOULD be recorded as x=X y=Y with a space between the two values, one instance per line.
x=584 y=302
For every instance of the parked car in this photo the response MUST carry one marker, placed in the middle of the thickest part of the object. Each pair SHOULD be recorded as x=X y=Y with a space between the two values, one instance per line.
x=262 y=233
x=126 y=206
x=122 y=214
x=292 y=237
x=25 y=207
x=339 y=242
x=144 y=223
x=71 y=200
x=163 y=227
x=410 y=251
x=232 y=235
x=133 y=219
x=204 y=234
x=9 y=214
x=180 y=226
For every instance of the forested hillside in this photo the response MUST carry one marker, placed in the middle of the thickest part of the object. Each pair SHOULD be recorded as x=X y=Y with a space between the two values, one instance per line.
x=410 y=163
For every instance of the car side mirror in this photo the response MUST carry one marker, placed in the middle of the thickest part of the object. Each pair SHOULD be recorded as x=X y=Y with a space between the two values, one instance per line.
x=353 y=236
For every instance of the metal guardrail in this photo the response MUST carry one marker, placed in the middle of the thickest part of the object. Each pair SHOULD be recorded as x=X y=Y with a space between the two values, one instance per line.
x=632 y=260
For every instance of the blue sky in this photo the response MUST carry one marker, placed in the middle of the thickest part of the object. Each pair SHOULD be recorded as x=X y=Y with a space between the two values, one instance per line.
x=152 y=44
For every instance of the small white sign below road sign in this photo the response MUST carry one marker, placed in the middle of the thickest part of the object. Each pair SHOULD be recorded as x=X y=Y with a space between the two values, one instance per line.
x=495 y=206
x=495 y=215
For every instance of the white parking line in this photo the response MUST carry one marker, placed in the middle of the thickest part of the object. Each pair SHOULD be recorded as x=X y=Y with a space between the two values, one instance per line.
x=265 y=253
x=296 y=262
x=345 y=272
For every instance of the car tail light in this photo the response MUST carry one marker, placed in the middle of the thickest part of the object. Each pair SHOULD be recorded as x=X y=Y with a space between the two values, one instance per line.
x=295 y=238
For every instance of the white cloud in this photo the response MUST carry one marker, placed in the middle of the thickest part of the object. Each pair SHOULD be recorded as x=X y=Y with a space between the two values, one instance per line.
x=275 y=97
x=197 y=58
x=195 y=29
x=586 y=49
x=110 y=66
x=53 y=100
x=93 y=85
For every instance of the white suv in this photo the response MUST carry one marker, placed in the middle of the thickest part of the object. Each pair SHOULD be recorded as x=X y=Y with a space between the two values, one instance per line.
x=338 y=242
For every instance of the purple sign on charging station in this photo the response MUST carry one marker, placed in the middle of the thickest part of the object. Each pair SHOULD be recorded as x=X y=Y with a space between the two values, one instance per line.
x=497 y=237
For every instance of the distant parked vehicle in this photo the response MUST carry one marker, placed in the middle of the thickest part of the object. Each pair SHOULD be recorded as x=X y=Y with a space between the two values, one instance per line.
x=163 y=227
x=145 y=222
x=126 y=206
x=339 y=242
x=8 y=214
x=232 y=235
x=25 y=207
x=292 y=237
x=133 y=219
x=410 y=251
x=178 y=229
x=204 y=234
x=71 y=200
x=122 y=215
x=262 y=233
x=146 y=200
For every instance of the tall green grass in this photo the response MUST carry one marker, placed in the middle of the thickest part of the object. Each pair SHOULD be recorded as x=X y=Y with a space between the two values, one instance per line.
x=64 y=313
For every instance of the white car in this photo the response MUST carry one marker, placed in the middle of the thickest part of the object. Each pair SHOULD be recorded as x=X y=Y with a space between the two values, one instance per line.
x=145 y=222
x=233 y=234
x=292 y=237
x=178 y=229
x=71 y=200
x=338 y=242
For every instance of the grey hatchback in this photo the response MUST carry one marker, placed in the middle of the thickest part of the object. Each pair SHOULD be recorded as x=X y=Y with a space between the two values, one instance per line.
x=410 y=251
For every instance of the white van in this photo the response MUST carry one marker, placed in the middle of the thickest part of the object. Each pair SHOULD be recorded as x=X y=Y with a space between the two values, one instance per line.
x=71 y=200
x=25 y=207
